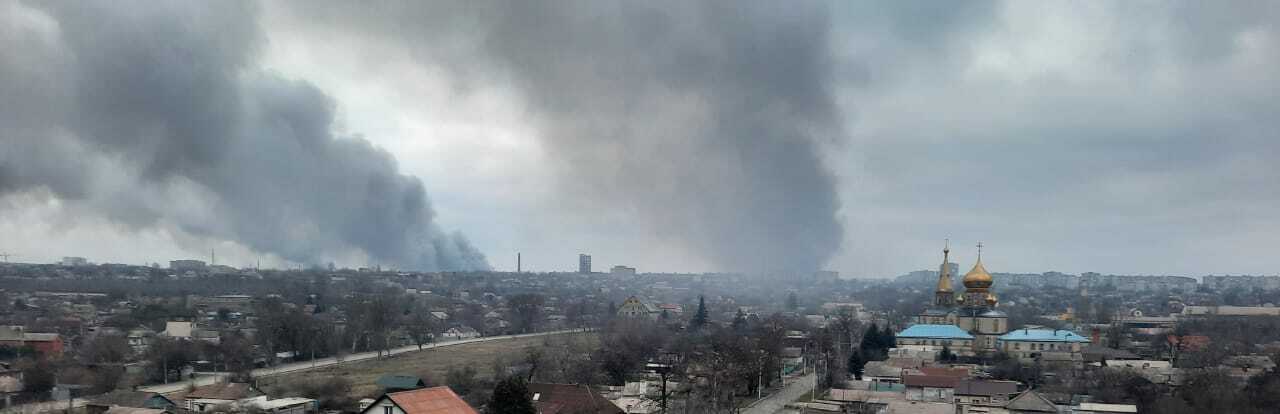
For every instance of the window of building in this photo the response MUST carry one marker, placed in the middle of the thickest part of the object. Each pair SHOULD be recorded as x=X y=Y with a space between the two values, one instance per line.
x=387 y=409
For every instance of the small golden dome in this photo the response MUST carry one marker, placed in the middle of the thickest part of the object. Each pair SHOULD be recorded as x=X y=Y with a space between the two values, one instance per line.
x=991 y=299
x=978 y=278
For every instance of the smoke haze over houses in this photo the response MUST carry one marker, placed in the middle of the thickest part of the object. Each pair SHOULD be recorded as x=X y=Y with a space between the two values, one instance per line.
x=681 y=136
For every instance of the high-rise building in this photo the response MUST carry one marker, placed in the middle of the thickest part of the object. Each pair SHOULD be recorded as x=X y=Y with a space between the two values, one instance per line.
x=584 y=263
x=74 y=261
x=185 y=265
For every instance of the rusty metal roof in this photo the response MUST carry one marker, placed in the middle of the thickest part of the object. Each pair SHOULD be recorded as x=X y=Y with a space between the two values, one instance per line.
x=434 y=400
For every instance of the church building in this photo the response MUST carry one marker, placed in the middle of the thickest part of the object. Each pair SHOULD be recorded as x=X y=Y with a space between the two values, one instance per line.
x=972 y=311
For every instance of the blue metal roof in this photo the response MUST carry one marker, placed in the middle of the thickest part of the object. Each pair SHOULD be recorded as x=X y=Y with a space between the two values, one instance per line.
x=935 y=332
x=1043 y=335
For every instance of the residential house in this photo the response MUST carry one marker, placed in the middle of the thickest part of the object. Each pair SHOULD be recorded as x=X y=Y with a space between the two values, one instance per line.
x=130 y=399
x=290 y=405
x=1158 y=372
x=460 y=332
x=10 y=384
x=924 y=387
x=434 y=400
x=864 y=401
x=1099 y=353
x=971 y=393
x=570 y=399
x=881 y=371
x=1247 y=366
x=1096 y=408
x=16 y=336
x=937 y=336
x=178 y=329
x=1030 y=343
x=1030 y=402
x=140 y=339
x=634 y=308
x=210 y=396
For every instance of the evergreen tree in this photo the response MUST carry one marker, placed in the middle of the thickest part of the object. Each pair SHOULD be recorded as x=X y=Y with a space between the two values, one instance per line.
x=887 y=338
x=740 y=320
x=856 y=365
x=871 y=338
x=946 y=355
x=511 y=396
x=699 y=317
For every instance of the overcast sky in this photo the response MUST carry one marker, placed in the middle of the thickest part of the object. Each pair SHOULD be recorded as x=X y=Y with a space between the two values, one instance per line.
x=1116 y=137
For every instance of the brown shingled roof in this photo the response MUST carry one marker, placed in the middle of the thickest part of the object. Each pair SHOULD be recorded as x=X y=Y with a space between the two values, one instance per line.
x=944 y=371
x=434 y=400
x=986 y=388
x=568 y=398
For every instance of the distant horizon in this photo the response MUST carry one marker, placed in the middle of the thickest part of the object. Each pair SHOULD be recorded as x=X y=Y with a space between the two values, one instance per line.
x=1064 y=136
x=163 y=266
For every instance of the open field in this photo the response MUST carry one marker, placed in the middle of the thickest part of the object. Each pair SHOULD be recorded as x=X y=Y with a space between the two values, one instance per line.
x=434 y=363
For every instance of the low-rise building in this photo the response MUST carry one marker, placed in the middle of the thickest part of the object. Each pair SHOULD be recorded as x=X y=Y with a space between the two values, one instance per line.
x=938 y=336
x=288 y=405
x=132 y=399
x=982 y=393
x=1099 y=408
x=570 y=398
x=1030 y=343
x=634 y=308
x=206 y=398
x=434 y=400
x=924 y=387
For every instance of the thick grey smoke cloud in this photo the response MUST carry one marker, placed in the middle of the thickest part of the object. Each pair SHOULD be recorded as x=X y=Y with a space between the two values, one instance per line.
x=156 y=114
x=703 y=120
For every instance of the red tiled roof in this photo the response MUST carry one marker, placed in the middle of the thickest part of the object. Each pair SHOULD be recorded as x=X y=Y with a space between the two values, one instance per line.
x=932 y=381
x=435 y=400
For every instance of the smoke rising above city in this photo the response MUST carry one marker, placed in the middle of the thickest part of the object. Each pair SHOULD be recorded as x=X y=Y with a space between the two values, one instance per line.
x=158 y=115
x=668 y=136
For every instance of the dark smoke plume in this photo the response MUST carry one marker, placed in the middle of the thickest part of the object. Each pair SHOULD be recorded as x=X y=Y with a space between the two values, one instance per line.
x=155 y=113
x=705 y=118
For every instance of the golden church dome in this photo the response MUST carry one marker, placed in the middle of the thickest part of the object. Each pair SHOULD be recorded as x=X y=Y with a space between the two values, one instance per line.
x=978 y=278
x=991 y=299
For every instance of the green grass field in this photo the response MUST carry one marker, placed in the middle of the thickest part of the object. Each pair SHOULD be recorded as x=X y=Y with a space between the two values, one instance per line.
x=434 y=363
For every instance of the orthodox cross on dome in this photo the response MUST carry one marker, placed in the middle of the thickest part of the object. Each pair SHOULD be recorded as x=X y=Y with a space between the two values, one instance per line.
x=979 y=250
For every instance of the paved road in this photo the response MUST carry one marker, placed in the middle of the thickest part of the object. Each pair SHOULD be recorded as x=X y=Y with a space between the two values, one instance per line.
x=325 y=362
x=796 y=388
